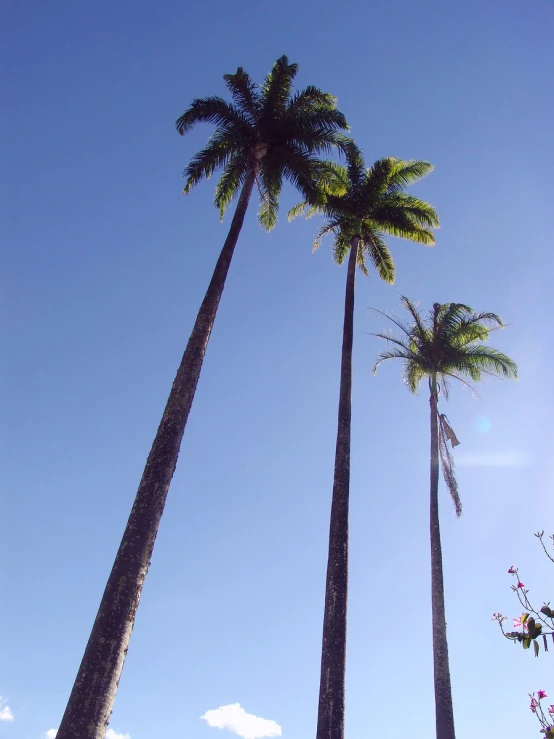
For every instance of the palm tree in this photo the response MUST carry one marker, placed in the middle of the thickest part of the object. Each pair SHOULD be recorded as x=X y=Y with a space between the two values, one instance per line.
x=360 y=207
x=446 y=346
x=264 y=136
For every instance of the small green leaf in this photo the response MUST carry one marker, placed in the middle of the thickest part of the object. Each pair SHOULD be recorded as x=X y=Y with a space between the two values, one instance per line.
x=536 y=648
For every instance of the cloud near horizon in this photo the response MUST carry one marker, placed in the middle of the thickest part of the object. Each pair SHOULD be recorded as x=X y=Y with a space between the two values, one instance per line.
x=6 y=714
x=5 y=711
x=494 y=459
x=237 y=720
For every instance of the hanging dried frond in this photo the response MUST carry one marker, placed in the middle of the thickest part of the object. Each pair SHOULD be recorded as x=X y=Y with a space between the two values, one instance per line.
x=448 y=469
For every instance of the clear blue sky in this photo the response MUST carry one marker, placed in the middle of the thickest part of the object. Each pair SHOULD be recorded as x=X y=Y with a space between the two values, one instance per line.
x=104 y=265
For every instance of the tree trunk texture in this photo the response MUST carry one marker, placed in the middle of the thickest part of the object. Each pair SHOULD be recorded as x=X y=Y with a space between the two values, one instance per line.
x=330 y=718
x=444 y=712
x=90 y=704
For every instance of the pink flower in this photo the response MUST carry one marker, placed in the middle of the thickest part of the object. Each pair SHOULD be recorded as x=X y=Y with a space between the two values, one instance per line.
x=520 y=584
x=551 y=710
x=518 y=623
x=512 y=570
x=534 y=704
x=541 y=694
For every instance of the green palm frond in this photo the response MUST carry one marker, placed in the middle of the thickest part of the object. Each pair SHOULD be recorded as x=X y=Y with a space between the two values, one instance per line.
x=270 y=180
x=377 y=178
x=419 y=333
x=300 y=209
x=308 y=98
x=230 y=182
x=405 y=173
x=330 y=227
x=388 y=354
x=277 y=86
x=341 y=247
x=244 y=93
x=379 y=254
x=477 y=327
x=204 y=164
x=490 y=361
x=416 y=210
x=449 y=317
x=355 y=165
x=412 y=375
x=213 y=110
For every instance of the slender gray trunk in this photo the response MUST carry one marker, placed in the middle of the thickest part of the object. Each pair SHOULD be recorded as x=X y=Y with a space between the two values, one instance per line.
x=330 y=717
x=444 y=712
x=90 y=704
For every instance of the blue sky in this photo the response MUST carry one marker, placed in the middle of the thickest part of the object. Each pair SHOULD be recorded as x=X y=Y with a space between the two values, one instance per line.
x=104 y=266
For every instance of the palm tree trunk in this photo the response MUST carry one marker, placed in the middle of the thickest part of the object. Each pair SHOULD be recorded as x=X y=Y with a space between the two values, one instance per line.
x=90 y=704
x=330 y=717
x=444 y=712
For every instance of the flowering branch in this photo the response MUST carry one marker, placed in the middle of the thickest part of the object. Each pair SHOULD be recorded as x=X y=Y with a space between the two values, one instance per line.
x=534 y=623
x=546 y=719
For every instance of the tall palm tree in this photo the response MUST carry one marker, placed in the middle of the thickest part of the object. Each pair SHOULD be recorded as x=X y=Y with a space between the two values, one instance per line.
x=264 y=136
x=360 y=206
x=445 y=346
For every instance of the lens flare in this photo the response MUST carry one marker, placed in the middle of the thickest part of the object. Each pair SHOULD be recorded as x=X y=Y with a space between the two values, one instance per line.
x=482 y=424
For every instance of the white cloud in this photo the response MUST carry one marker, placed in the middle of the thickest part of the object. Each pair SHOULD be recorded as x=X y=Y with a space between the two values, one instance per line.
x=494 y=459
x=5 y=712
x=110 y=734
x=235 y=718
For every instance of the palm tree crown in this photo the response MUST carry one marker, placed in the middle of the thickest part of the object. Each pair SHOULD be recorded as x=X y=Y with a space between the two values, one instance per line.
x=447 y=344
x=269 y=128
x=369 y=203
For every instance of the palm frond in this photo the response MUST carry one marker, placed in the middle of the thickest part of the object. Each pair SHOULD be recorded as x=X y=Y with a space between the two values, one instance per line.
x=232 y=178
x=341 y=246
x=405 y=173
x=297 y=210
x=488 y=360
x=203 y=165
x=398 y=223
x=213 y=110
x=389 y=354
x=379 y=254
x=412 y=374
x=474 y=327
x=355 y=165
x=377 y=178
x=419 y=327
x=310 y=97
x=271 y=181
x=416 y=210
x=277 y=86
x=244 y=92
x=450 y=316
x=391 y=338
